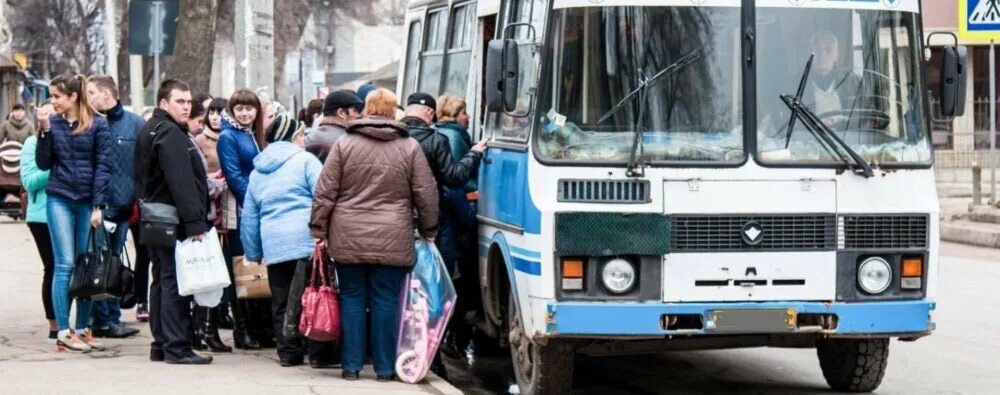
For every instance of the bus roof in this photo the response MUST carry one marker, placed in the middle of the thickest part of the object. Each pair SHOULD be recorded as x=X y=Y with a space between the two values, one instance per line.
x=490 y=7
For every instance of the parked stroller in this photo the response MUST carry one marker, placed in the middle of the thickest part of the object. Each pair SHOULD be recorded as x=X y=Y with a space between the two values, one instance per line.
x=14 y=199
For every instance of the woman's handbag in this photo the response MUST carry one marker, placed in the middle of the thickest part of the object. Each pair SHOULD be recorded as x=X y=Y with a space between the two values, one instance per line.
x=159 y=223
x=320 y=306
x=121 y=281
x=251 y=279
x=91 y=273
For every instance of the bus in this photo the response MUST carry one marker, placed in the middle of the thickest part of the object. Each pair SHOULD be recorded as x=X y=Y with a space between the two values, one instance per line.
x=696 y=174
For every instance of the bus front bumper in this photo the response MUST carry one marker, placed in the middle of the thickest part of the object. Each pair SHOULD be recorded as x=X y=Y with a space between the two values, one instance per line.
x=895 y=318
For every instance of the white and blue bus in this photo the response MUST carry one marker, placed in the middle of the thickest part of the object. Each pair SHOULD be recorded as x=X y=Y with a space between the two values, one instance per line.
x=696 y=174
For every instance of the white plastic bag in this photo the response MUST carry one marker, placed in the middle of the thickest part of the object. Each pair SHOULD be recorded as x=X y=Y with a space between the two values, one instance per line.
x=201 y=267
x=208 y=299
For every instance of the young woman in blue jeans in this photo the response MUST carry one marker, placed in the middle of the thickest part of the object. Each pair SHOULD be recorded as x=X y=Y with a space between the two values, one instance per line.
x=76 y=150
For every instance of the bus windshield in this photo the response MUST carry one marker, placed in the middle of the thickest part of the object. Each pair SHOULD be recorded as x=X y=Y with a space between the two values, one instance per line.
x=687 y=58
x=863 y=82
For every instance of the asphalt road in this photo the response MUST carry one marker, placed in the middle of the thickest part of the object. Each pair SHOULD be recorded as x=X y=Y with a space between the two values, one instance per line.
x=961 y=357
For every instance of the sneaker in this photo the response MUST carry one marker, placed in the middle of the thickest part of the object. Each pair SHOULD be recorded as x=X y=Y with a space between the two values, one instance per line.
x=88 y=337
x=142 y=313
x=69 y=341
x=53 y=335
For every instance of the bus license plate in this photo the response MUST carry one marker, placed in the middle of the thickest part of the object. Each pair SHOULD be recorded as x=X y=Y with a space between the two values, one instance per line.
x=754 y=321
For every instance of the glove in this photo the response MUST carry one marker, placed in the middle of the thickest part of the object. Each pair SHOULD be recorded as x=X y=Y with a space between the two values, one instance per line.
x=110 y=226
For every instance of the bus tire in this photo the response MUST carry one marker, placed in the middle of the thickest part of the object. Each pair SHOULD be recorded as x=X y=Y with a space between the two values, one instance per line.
x=539 y=370
x=853 y=365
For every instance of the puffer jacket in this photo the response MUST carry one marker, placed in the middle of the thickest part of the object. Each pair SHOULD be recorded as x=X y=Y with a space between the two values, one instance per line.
x=80 y=165
x=321 y=138
x=237 y=148
x=373 y=179
x=460 y=143
x=436 y=147
x=124 y=126
x=274 y=225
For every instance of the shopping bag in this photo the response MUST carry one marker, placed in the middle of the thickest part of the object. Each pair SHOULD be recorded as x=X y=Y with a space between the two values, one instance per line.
x=91 y=272
x=125 y=290
x=251 y=279
x=201 y=266
x=294 y=310
x=208 y=298
x=427 y=302
x=320 y=319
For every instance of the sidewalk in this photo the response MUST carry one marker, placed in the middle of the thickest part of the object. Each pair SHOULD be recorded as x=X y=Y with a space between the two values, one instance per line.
x=29 y=365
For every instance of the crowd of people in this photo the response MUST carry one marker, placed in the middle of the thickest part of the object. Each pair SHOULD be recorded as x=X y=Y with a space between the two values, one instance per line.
x=354 y=174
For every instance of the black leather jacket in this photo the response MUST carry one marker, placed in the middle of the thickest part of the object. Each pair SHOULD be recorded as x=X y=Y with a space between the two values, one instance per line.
x=435 y=146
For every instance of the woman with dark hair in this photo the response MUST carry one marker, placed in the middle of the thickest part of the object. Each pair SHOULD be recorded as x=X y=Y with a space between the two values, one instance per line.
x=241 y=140
x=76 y=149
x=311 y=112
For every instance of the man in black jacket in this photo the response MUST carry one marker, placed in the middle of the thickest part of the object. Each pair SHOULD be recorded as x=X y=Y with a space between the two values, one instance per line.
x=419 y=115
x=170 y=170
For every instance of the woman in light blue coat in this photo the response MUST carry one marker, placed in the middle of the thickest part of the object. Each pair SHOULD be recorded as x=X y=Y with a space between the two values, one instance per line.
x=275 y=226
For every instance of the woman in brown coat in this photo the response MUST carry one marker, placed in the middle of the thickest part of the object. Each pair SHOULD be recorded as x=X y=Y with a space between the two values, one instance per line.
x=363 y=212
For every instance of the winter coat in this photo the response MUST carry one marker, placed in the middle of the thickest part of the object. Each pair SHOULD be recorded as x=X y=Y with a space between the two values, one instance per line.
x=275 y=219
x=460 y=143
x=170 y=170
x=80 y=164
x=11 y=130
x=373 y=179
x=208 y=142
x=124 y=126
x=438 y=152
x=321 y=138
x=237 y=148
x=34 y=179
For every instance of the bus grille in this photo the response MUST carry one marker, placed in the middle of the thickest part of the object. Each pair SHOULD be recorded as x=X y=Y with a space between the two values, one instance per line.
x=720 y=233
x=864 y=232
x=604 y=191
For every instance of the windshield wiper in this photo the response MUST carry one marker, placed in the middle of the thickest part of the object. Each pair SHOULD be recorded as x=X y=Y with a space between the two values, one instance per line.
x=634 y=168
x=798 y=97
x=827 y=138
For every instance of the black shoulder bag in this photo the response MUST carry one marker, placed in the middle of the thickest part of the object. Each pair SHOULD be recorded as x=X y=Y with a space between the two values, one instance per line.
x=159 y=221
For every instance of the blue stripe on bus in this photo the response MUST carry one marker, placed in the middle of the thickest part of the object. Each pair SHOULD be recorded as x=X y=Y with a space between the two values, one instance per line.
x=524 y=261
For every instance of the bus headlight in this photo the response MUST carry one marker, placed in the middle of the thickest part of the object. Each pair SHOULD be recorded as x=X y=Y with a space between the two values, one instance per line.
x=874 y=275
x=618 y=276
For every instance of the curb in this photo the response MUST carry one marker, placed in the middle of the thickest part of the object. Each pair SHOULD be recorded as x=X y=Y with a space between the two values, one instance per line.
x=440 y=386
x=970 y=233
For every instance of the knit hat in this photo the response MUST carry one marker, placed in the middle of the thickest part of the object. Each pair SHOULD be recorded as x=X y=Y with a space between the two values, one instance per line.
x=281 y=129
x=365 y=89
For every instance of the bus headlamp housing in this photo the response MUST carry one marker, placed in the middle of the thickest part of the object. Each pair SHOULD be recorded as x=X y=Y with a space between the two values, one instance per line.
x=618 y=276
x=874 y=275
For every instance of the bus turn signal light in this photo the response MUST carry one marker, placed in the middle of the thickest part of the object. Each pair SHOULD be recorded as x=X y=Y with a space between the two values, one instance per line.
x=572 y=274
x=913 y=267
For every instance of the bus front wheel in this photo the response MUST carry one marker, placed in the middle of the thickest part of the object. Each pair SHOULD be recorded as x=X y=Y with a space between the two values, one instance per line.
x=853 y=365
x=539 y=369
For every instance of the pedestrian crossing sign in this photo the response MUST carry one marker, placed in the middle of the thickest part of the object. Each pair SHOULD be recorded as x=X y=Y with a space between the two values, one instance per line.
x=979 y=20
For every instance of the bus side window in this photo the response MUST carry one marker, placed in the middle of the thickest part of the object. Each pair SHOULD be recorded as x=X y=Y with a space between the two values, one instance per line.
x=431 y=60
x=412 y=50
x=459 y=54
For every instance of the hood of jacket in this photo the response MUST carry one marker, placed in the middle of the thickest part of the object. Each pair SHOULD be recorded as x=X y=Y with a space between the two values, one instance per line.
x=274 y=156
x=18 y=124
x=378 y=128
x=230 y=123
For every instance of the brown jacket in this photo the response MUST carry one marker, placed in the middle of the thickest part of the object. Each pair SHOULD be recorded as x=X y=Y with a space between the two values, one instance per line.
x=373 y=179
x=11 y=130
x=207 y=141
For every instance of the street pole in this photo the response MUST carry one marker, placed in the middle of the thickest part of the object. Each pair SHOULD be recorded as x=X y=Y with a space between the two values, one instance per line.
x=135 y=81
x=111 y=24
x=993 y=124
x=157 y=43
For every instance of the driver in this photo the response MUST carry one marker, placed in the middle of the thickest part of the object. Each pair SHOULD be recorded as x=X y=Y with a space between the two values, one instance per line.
x=830 y=88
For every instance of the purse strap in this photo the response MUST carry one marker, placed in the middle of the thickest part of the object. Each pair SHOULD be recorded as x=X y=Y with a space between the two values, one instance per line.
x=317 y=267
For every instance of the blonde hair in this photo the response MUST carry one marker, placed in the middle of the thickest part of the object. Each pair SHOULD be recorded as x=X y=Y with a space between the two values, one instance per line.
x=381 y=103
x=449 y=107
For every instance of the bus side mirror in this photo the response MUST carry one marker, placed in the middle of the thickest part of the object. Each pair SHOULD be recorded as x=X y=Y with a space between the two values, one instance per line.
x=501 y=76
x=953 y=80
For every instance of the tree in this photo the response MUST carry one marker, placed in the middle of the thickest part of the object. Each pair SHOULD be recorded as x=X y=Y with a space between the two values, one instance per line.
x=59 y=36
x=195 y=47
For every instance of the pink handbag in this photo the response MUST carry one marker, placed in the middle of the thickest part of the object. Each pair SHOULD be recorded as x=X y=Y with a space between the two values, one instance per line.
x=320 y=319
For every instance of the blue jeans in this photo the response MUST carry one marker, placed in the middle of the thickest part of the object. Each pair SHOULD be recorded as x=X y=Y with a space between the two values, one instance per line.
x=69 y=223
x=377 y=288
x=107 y=312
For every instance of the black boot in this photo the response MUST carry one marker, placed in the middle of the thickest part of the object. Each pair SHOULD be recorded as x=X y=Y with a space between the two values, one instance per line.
x=241 y=333
x=211 y=332
x=198 y=328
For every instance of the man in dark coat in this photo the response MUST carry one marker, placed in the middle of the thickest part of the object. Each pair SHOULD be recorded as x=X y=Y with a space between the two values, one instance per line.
x=170 y=170
x=420 y=111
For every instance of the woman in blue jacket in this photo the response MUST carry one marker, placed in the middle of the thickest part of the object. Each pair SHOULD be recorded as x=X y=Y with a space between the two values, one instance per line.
x=275 y=227
x=77 y=152
x=241 y=140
